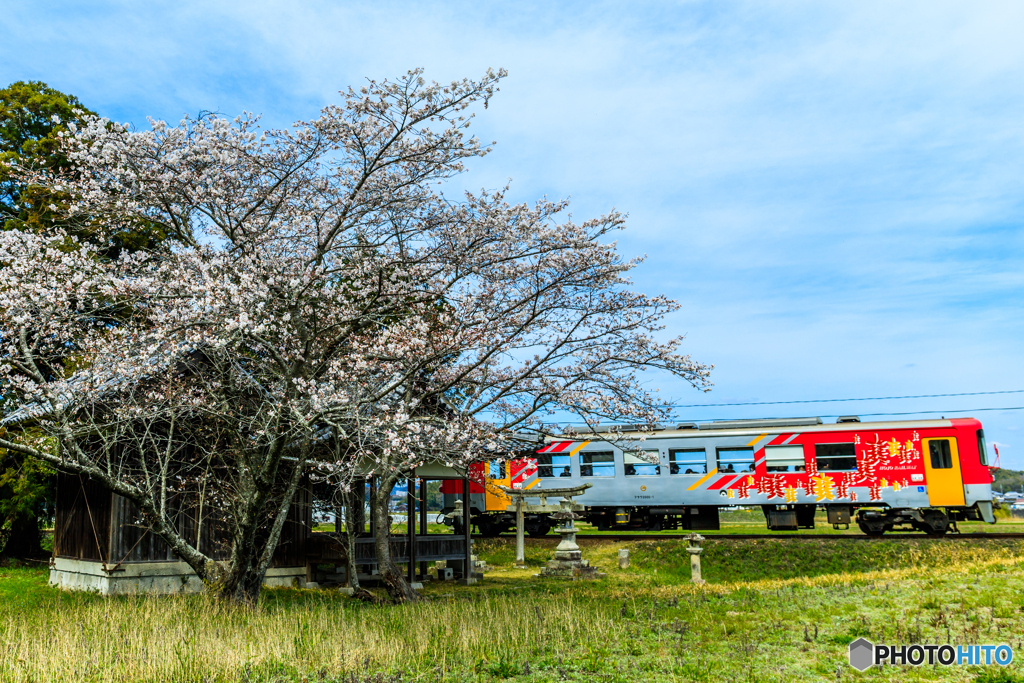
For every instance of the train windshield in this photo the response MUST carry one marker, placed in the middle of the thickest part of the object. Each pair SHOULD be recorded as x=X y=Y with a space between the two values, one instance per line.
x=982 y=448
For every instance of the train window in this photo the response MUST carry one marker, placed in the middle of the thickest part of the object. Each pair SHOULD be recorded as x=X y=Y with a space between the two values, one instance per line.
x=553 y=465
x=598 y=464
x=982 y=449
x=735 y=460
x=688 y=461
x=496 y=469
x=784 y=458
x=942 y=459
x=641 y=463
x=831 y=457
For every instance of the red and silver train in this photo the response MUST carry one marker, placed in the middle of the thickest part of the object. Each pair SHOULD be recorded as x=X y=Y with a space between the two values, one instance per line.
x=925 y=475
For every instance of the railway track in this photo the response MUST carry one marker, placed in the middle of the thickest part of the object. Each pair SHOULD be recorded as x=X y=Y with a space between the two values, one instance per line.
x=712 y=536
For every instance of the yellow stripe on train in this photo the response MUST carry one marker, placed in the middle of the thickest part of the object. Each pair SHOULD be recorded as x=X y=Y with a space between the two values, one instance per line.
x=578 y=449
x=703 y=479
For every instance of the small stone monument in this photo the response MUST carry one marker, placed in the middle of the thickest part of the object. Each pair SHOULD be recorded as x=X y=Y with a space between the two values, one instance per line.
x=568 y=562
x=456 y=513
x=479 y=566
x=695 y=550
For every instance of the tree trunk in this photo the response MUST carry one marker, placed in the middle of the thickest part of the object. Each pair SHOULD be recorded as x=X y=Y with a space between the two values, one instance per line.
x=248 y=590
x=240 y=578
x=250 y=561
x=23 y=538
x=358 y=508
x=398 y=588
x=355 y=526
x=232 y=580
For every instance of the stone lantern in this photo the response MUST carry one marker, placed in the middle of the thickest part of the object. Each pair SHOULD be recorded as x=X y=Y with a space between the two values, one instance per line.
x=568 y=562
x=695 y=551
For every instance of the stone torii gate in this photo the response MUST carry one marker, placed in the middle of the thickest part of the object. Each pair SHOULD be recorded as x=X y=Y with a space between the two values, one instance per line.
x=521 y=507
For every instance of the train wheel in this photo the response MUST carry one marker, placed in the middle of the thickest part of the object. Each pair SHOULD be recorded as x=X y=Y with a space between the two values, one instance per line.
x=872 y=529
x=935 y=523
x=538 y=529
x=488 y=528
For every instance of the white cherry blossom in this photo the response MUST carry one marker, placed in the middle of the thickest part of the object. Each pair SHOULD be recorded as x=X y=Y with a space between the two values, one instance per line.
x=324 y=305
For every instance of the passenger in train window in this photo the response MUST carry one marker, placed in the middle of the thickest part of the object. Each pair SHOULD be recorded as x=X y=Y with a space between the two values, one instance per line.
x=630 y=470
x=729 y=469
x=544 y=466
x=687 y=461
x=566 y=472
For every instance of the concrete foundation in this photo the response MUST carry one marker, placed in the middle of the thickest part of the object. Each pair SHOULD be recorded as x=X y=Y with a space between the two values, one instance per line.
x=155 y=578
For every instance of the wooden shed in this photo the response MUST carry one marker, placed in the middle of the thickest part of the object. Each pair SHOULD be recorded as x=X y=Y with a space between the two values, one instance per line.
x=101 y=543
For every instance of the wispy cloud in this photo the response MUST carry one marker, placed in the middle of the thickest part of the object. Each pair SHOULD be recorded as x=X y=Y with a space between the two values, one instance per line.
x=832 y=190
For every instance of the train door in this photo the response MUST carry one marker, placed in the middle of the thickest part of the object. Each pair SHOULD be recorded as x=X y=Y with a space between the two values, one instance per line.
x=496 y=475
x=942 y=468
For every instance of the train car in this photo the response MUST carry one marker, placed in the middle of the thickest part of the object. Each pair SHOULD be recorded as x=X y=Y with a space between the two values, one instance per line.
x=924 y=475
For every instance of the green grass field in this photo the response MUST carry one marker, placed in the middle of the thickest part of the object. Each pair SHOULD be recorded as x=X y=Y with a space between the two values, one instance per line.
x=739 y=521
x=773 y=610
x=751 y=521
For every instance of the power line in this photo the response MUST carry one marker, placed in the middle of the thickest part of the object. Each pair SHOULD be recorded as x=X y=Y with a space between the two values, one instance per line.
x=842 y=400
x=915 y=412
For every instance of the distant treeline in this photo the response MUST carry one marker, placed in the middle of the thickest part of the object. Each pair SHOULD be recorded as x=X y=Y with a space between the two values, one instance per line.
x=1007 y=480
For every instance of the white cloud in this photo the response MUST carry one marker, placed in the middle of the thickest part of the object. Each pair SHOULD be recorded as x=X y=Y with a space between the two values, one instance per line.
x=832 y=189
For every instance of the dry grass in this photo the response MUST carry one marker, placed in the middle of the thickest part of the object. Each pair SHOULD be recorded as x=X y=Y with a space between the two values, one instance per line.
x=196 y=639
x=644 y=623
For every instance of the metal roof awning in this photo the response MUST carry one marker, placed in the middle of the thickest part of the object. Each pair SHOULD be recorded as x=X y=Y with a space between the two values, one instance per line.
x=756 y=424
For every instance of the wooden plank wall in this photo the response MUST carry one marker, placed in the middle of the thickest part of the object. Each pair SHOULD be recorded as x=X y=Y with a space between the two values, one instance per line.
x=293 y=548
x=90 y=520
x=81 y=519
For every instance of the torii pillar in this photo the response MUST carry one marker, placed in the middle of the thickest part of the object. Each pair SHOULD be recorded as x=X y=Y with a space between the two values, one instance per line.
x=520 y=496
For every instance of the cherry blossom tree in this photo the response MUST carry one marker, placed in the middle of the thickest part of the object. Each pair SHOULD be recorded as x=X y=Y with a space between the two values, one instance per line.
x=327 y=309
x=534 y=324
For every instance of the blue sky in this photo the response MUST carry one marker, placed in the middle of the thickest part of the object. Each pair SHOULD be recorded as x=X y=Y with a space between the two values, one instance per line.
x=833 y=191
